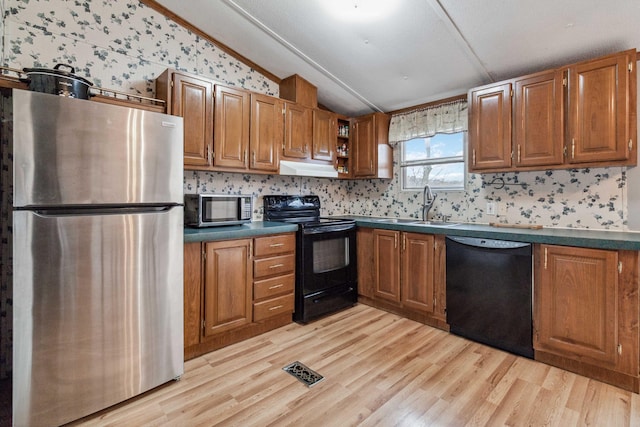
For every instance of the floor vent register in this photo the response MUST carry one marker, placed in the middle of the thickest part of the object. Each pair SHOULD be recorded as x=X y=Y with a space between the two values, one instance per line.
x=305 y=375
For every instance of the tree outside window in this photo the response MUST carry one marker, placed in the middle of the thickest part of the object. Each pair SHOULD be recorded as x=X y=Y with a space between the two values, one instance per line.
x=437 y=161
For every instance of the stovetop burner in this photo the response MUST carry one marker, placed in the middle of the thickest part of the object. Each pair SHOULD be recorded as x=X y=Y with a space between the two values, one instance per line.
x=302 y=210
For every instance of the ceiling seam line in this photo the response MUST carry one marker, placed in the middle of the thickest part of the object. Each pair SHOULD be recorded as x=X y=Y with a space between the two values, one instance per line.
x=299 y=53
x=449 y=22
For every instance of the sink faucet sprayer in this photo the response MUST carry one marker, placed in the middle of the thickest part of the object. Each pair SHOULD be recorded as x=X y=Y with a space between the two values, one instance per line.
x=427 y=201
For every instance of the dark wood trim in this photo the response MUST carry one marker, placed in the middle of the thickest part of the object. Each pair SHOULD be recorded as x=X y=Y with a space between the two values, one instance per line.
x=177 y=19
x=12 y=83
x=618 y=379
x=430 y=104
x=414 y=315
x=242 y=333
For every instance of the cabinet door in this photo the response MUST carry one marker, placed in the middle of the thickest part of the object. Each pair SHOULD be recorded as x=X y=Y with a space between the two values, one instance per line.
x=227 y=285
x=490 y=128
x=417 y=271
x=576 y=312
x=192 y=293
x=231 y=127
x=267 y=132
x=364 y=158
x=387 y=265
x=538 y=120
x=366 y=262
x=440 y=279
x=599 y=105
x=193 y=101
x=298 y=132
x=324 y=135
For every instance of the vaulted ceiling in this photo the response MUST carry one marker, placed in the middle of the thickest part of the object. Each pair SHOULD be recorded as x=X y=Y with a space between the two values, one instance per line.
x=384 y=55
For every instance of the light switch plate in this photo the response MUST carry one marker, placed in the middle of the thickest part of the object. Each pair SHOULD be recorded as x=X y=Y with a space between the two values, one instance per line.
x=491 y=208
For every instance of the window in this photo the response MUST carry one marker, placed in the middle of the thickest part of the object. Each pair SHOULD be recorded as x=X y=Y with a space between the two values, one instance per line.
x=437 y=161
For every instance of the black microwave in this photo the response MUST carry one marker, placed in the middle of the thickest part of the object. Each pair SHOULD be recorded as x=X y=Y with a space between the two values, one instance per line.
x=210 y=210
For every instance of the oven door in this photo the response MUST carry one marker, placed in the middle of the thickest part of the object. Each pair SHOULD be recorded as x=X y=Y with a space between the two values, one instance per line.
x=327 y=256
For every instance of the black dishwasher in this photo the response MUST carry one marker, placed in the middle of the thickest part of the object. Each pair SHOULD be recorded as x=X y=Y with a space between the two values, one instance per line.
x=489 y=286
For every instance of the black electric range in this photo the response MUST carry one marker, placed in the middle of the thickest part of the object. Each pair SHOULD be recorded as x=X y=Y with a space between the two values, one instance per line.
x=326 y=271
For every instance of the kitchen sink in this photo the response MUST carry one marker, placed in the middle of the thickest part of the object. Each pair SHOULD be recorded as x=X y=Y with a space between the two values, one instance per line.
x=415 y=222
x=395 y=220
x=435 y=223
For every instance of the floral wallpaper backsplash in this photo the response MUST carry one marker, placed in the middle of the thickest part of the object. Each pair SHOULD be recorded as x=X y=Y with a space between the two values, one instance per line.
x=124 y=45
x=579 y=198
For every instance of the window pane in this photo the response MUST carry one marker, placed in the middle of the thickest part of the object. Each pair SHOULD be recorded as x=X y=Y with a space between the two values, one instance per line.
x=436 y=147
x=448 y=175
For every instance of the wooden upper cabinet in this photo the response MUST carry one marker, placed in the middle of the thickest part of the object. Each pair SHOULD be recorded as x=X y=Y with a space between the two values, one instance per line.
x=267 y=132
x=190 y=97
x=325 y=131
x=582 y=114
x=228 y=298
x=387 y=265
x=490 y=127
x=418 y=271
x=576 y=304
x=295 y=88
x=372 y=156
x=298 y=132
x=600 y=106
x=363 y=147
x=538 y=120
x=231 y=127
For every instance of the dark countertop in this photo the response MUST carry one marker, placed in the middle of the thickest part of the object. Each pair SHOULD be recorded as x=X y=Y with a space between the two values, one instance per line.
x=256 y=228
x=600 y=239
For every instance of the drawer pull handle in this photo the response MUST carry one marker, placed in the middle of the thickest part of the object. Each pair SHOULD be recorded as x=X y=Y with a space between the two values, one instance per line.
x=276 y=266
x=276 y=245
x=276 y=286
x=276 y=307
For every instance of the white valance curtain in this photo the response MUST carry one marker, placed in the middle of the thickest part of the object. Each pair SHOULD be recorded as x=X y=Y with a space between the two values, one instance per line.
x=450 y=117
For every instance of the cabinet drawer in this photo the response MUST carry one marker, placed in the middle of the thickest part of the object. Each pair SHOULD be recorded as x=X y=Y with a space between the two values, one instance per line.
x=274 y=265
x=272 y=307
x=269 y=287
x=271 y=245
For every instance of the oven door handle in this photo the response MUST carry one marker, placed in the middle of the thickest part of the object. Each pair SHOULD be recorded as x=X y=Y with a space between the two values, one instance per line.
x=328 y=229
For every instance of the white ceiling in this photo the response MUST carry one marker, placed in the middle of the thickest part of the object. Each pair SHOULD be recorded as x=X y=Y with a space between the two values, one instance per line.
x=419 y=50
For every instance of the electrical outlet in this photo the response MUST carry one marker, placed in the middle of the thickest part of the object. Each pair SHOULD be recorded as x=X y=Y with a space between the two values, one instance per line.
x=491 y=208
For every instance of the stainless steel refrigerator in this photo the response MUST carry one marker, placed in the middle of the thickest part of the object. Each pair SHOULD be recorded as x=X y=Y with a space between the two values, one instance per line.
x=98 y=236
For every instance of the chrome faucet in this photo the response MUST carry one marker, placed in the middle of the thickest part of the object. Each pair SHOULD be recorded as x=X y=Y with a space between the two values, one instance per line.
x=427 y=201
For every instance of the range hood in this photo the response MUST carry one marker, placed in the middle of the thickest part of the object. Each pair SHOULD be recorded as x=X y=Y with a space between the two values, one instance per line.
x=307 y=169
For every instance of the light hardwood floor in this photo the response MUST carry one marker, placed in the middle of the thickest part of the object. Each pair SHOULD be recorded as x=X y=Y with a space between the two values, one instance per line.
x=379 y=369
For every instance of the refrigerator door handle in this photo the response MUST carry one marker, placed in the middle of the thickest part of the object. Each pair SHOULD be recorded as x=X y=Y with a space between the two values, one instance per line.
x=71 y=211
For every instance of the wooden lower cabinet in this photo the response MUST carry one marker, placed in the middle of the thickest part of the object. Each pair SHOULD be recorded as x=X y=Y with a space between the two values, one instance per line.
x=236 y=289
x=586 y=312
x=192 y=293
x=403 y=273
x=386 y=253
x=227 y=285
x=274 y=278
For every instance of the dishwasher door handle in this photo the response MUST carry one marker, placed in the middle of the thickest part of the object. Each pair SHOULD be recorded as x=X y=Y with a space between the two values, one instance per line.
x=488 y=243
